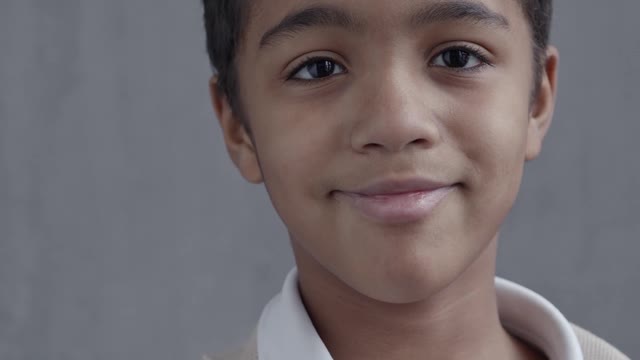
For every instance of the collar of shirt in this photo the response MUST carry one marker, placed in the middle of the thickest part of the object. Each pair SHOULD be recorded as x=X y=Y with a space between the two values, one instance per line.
x=285 y=331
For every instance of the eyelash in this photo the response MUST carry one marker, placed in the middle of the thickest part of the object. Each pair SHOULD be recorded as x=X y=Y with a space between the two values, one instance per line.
x=472 y=50
x=308 y=61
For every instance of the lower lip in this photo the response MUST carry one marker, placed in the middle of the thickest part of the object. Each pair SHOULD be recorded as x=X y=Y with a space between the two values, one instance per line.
x=397 y=208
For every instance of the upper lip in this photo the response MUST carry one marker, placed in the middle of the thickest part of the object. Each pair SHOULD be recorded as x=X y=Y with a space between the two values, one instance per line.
x=397 y=186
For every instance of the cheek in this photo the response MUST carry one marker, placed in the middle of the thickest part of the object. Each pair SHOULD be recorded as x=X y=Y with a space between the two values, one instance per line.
x=295 y=148
x=490 y=131
x=298 y=136
x=490 y=127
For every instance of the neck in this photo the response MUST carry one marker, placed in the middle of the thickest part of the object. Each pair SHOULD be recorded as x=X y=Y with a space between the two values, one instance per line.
x=459 y=322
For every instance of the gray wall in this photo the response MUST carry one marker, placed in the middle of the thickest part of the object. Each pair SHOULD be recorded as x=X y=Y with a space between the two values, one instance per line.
x=125 y=233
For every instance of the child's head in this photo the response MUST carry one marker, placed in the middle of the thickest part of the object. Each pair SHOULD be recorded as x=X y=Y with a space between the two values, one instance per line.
x=391 y=136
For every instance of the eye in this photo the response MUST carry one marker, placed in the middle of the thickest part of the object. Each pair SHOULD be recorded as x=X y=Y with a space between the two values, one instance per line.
x=316 y=69
x=460 y=59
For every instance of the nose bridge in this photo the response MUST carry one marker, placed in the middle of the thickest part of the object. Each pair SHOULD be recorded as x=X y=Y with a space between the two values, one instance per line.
x=396 y=111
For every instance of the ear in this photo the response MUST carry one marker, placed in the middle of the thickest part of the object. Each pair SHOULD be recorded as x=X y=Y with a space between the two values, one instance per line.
x=239 y=143
x=543 y=105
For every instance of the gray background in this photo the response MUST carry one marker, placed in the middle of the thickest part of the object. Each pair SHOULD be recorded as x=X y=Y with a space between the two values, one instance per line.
x=125 y=233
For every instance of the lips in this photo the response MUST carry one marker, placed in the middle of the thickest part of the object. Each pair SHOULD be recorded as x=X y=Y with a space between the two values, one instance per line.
x=396 y=201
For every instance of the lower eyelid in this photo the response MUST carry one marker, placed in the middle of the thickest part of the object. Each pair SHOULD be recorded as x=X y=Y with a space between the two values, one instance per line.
x=477 y=53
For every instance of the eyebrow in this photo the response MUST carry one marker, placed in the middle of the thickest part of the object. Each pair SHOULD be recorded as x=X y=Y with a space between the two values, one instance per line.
x=330 y=16
x=474 y=12
x=316 y=16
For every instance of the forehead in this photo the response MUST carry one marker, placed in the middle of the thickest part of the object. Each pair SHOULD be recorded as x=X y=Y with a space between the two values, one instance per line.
x=387 y=16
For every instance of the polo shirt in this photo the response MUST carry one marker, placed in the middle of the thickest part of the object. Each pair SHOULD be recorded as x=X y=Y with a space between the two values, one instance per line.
x=285 y=331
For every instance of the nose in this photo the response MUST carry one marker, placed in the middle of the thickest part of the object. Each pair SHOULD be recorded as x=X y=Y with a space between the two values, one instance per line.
x=395 y=115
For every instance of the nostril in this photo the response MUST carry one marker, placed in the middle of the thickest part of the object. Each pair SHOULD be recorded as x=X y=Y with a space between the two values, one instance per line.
x=373 y=146
x=420 y=142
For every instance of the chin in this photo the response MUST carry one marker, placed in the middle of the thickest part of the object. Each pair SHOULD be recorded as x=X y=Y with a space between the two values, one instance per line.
x=406 y=292
x=404 y=281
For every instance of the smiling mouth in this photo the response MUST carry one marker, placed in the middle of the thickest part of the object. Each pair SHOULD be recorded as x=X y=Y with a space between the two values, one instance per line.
x=396 y=202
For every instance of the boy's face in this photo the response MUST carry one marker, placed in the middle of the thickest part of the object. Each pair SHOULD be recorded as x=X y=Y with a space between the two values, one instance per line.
x=422 y=97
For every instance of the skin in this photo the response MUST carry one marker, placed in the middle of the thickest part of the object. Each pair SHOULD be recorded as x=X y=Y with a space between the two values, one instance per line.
x=373 y=290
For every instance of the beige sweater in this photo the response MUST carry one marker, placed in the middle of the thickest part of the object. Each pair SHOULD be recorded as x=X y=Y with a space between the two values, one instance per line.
x=593 y=348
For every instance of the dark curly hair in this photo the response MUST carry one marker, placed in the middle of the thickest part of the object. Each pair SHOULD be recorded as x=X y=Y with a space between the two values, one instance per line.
x=225 y=20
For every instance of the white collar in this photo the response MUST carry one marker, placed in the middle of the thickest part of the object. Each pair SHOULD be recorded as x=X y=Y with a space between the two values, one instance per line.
x=285 y=331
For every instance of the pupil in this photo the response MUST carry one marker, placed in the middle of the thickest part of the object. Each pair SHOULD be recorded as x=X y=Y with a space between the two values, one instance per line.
x=456 y=58
x=322 y=68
